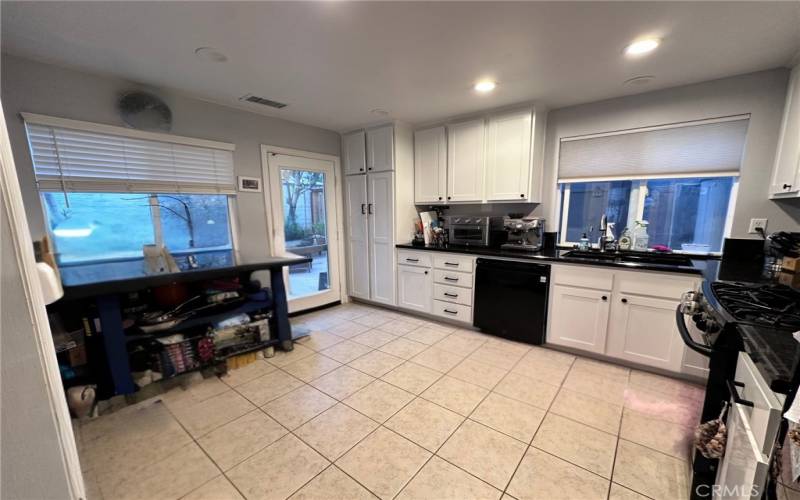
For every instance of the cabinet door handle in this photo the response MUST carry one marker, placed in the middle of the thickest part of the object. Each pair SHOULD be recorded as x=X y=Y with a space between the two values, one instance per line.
x=604 y=297
x=787 y=186
x=426 y=272
x=448 y=311
x=522 y=195
x=448 y=278
x=448 y=197
x=448 y=294
x=624 y=301
x=363 y=209
x=440 y=198
x=451 y=264
x=369 y=208
x=412 y=260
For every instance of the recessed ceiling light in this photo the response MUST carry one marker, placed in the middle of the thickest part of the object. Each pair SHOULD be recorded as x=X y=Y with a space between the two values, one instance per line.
x=379 y=112
x=485 y=86
x=642 y=46
x=210 y=54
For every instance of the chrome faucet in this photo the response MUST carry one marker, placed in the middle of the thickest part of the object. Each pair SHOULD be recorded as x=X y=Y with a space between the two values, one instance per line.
x=601 y=244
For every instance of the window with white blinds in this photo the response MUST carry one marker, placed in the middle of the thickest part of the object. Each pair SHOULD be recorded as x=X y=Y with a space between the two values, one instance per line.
x=81 y=157
x=707 y=148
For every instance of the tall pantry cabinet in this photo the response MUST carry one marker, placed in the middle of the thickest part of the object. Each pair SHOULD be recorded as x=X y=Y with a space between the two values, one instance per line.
x=378 y=164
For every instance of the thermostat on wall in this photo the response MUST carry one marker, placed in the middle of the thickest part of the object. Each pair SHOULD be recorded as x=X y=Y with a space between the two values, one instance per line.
x=252 y=184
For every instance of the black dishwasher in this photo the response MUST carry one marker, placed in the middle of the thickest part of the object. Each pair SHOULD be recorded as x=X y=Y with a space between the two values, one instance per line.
x=511 y=299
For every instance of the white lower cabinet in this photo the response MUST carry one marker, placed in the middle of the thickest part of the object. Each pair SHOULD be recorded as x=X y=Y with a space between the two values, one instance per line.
x=643 y=330
x=452 y=311
x=414 y=287
x=426 y=282
x=579 y=317
x=596 y=312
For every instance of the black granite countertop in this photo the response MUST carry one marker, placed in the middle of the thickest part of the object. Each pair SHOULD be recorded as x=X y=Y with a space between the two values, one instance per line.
x=558 y=255
x=102 y=279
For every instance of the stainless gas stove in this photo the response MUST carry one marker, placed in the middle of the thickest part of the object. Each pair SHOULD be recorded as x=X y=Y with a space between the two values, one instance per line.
x=753 y=318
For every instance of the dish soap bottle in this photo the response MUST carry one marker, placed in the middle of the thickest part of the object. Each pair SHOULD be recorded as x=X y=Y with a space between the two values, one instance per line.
x=640 y=237
x=625 y=240
x=583 y=244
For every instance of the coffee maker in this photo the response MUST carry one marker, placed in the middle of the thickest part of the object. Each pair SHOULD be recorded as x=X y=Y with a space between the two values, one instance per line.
x=524 y=234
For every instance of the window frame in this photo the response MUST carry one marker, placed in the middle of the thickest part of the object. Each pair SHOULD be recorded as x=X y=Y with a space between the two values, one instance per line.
x=636 y=207
x=155 y=217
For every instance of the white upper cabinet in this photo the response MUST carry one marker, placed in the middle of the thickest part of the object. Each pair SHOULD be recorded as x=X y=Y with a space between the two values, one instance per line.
x=466 y=158
x=786 y=173
x=430 y=165
x=508 y=156
x=380 y=149
x=354 y=155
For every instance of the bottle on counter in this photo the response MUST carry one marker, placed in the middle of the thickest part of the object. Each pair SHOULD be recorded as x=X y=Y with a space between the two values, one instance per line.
x=640 y=236
x=625 y=240
x=583 y=244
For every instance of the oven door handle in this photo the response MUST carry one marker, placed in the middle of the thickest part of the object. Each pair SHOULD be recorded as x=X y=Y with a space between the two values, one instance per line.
x=687 y=337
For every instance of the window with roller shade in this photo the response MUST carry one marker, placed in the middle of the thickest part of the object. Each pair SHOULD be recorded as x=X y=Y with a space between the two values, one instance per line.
x=681 y=178
x=108 y=191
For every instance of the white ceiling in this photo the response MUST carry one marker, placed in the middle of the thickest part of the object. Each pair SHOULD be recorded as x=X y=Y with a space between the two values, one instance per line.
x=333 y=62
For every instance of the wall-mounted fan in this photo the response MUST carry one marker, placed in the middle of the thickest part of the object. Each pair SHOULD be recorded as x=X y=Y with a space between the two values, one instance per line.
x=144 y=111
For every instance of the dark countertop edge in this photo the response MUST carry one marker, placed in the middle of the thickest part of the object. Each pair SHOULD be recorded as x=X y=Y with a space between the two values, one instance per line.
x=125 y=285
x=554 y=256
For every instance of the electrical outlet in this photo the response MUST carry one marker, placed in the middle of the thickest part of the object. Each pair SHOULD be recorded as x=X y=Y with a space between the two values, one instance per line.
x=756 y=224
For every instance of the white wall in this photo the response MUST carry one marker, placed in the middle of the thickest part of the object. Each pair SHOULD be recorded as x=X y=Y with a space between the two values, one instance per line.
x=33 y=462
x=761 y=94
x=51 y=90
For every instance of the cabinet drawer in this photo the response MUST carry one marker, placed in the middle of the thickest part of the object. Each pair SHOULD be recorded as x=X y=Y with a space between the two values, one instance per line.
x=456 y=312
x=412 y=258
x=583 y=276
x=654 y=285
x=454 y=263
x=453 y=278
x=452 y=294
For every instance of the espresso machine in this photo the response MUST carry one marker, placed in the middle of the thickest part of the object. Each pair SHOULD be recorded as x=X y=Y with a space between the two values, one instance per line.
x=524 y=234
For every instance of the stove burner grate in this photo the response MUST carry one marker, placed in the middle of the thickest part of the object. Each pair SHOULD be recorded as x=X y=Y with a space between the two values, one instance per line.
x=777 y=306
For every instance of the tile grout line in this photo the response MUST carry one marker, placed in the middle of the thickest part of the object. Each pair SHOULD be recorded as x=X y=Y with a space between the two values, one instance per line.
x=467 y=417
x=530 y=443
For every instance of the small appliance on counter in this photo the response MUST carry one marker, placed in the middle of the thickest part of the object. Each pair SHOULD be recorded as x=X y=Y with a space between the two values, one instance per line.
x=475 y=231
x=524 y=234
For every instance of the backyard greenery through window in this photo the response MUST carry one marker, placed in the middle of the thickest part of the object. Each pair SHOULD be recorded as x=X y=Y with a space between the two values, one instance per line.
x=684 y=214
x=92 y=227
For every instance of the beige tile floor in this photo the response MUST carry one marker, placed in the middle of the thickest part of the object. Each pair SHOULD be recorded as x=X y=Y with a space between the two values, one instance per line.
x=377 y=403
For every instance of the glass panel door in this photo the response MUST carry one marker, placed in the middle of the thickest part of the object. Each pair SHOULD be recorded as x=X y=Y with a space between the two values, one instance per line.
x=305 y=229
x=304 y=219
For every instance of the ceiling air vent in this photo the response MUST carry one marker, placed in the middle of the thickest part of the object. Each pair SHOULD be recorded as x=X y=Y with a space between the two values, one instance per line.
x=261 y=100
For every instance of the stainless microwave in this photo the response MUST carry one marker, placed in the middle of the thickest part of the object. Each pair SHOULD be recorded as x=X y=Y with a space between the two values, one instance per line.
x=475 y=231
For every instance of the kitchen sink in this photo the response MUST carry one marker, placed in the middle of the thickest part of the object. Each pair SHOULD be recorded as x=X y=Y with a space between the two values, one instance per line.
x=668 y=259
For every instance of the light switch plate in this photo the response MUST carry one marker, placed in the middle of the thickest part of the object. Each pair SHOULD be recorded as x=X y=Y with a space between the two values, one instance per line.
x=756 y=224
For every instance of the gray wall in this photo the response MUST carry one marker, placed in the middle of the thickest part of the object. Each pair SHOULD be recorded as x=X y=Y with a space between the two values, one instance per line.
x=761 y=94
x=50 y=90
